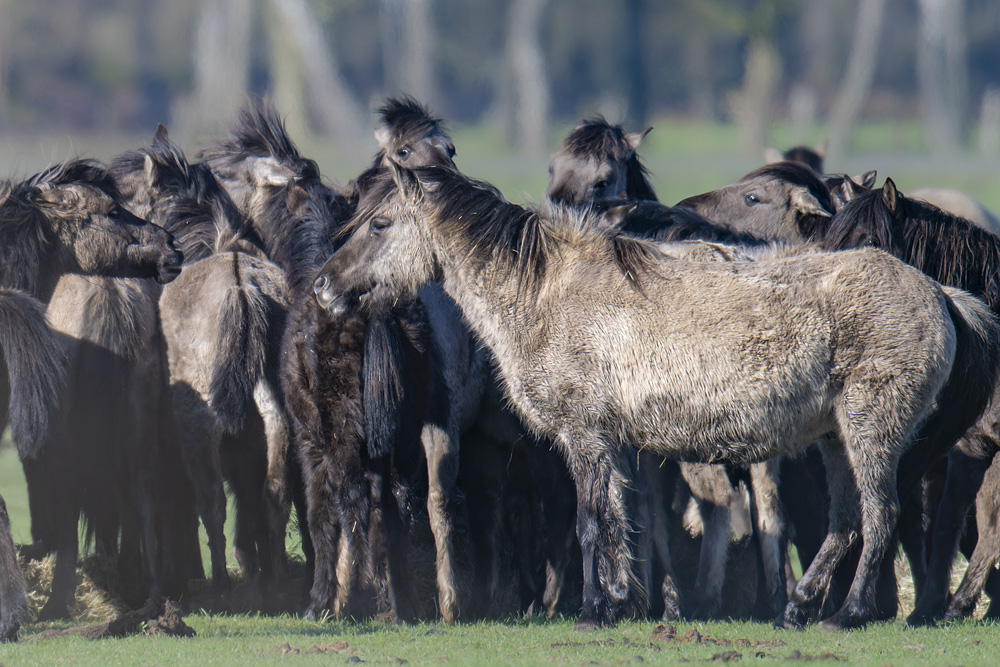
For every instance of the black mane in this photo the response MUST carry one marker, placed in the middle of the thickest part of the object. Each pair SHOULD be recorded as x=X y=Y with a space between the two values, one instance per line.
x=950 y=249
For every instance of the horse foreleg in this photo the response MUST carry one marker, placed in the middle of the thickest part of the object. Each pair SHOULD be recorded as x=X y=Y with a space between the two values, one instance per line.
x=560 y=507
x=713 y=492
x=277 y=504
x=602 y=529
x=806 y=602
x=13 y=601
x=441 y=448
x=324 y=529
x=967 y=466
x=771 y=539
x=661 y=543
x=984 y=556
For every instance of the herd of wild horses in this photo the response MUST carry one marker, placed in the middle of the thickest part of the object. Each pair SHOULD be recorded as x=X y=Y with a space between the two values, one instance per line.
x=569 y=391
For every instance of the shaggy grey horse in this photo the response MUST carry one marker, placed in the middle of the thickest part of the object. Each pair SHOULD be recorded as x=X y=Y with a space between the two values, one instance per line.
x=597 y=153
x=222 y=320
x=603 y=341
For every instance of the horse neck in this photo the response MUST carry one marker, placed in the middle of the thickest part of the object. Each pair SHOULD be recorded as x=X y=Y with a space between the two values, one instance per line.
x=501 y=308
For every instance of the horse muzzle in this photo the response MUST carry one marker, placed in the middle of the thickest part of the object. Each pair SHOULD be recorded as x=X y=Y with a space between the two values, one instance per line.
x=329 y=300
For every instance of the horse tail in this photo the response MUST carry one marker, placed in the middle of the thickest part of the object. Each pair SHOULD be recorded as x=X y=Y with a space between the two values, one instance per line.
x=36 y=368
x=383 y=386
x=969 y=387
x=241 y=344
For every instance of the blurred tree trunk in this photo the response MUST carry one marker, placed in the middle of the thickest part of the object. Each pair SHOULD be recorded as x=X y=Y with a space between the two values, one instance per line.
x=860 y=73
x=221 y=65
x=334 y=106
x=751 y=105
x=941 y=62
x=520 y=105
x=409 y=36
x=288 y=82
x=634 y=63
x=529 y=80
x=817 y=81
x=698 y=65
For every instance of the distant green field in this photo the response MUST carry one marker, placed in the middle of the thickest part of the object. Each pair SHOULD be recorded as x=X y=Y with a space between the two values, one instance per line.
x=685 y=157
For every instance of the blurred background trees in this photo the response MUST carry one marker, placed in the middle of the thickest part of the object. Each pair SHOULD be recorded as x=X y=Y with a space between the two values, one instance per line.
x=520 y=65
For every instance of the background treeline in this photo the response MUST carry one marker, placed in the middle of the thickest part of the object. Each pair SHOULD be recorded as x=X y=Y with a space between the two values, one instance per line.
x=521 y=66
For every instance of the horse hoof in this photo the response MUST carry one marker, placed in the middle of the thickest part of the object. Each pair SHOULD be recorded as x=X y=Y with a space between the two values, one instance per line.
x=53 y=613
x=921 y=618
x=793 y=619
x=586 y=625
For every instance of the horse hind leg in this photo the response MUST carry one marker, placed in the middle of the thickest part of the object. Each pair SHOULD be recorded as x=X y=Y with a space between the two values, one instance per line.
x=873 y=461
x=984 y=556
x=967 y=466
x=661 y=543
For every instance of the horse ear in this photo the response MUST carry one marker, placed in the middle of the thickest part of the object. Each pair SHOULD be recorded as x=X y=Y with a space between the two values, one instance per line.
x=867 y=179
x=890 y=194
x=295 y=196
x=161 y=133
x=406 y=181
x=614 y=217
x=805 y=202
x=149 y=168
x=772 y=154
x=50 y=196
x=822 y=148
x=635 y=138
x=268 y=171
x=382 y=136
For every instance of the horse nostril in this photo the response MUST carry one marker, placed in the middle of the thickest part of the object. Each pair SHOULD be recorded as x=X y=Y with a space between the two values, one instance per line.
x=320 y=284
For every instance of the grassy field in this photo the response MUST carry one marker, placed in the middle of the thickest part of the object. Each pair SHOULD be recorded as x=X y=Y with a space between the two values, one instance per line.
x=685 y=159
x=242 y=640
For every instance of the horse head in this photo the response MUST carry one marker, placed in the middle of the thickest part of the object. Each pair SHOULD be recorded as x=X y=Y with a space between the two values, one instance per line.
x=597 y=160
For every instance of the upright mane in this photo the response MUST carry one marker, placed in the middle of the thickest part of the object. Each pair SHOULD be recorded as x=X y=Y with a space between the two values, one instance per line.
x=407 y=120
x=259 y=131
x=596 y=138
x=187 y=201
x=948 y=248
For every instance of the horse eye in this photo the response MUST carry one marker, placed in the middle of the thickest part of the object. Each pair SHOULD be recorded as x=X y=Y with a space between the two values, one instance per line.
x=379 y=225
x=114 y=213
x=403 y=152
x=600 y=185
x=750 y=199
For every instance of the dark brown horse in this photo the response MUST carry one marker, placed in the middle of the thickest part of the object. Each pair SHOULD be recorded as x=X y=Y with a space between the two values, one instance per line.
x=956 y=252
x=69 y=219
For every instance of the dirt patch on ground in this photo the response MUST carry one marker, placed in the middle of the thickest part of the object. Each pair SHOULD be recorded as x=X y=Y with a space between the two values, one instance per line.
x=163 y=617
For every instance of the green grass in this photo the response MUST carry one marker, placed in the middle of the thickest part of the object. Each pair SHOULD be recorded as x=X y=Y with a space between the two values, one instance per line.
x=240 y=640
